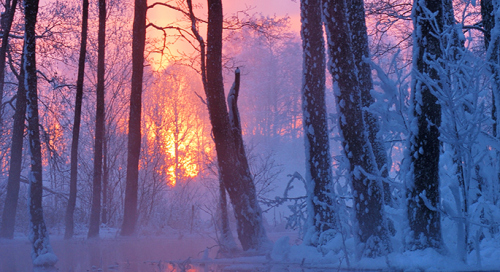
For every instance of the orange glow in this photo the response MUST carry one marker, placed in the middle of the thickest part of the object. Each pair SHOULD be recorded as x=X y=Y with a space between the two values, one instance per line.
x=176 y=127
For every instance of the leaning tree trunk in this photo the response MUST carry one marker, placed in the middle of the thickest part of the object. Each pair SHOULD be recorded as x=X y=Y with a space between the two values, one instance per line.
x=134 y=126
x=367 y=188
x=42 y=251
x=423 y=191
x=361 y=52
x=70 y=209
x=16 y=158
x=95 y=214
x=235 y=173
x=6 y=23
x=319 y=176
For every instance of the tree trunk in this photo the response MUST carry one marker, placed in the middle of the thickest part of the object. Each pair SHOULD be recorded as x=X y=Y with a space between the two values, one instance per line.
x=16 y=158
x=235 y=174
x=42 y=251
x=423 y=195
x=134 y=127
x=319 y=176
x=6 y=24
x=361 y=51
x=95 y=214
x=363 y=169
x=105 y=180
x=70 y=209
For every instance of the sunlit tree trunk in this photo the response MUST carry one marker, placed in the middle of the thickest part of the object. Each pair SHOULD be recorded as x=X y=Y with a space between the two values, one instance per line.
x=367 y=188
x=16 y=157
x=361 y=51
x=70 y=209
x=134 y=127
x=38 y=231
x=6 y=23
x=235 y=174
x=423 y=191
x=319 y=176
x=95 y=214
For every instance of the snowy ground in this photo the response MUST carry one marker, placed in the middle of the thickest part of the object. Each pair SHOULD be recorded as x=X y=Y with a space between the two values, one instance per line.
x=196 y=252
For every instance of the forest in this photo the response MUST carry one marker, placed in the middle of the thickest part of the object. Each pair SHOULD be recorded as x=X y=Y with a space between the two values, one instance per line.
x=364 y=136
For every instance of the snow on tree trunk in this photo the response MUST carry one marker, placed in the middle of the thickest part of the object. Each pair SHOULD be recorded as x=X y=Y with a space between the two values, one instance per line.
x=423 y=188
x=319 y=176
x=363 y=170
x=235 y=173
x=70 y=209
x=359 y=37
x=95 y=213
x=134 y=127
x=42 y=254
x=16 y=157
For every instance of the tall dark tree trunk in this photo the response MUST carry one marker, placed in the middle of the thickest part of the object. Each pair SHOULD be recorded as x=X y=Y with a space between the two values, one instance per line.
x=423 y=195
x=95 y=214
x=134 y=127
x=235 y=173
x=6 y=24
x=38 y=231
x=363 y=169
x=16 y=158
x=105 y=180
x=70 y=209
x=488 y=18
x=319 y=175
x=361 y=51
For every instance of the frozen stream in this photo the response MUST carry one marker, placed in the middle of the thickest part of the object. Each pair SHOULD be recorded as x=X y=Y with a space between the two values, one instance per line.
x=120 y=254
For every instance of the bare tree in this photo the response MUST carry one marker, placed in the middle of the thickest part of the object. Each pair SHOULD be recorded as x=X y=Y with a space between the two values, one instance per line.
x=70 y=209
x=134 y=129
x=16 y=155
x=42 y=251
x=95 y=214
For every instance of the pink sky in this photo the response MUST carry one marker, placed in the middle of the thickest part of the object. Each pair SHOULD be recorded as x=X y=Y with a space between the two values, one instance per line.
x=162 y=16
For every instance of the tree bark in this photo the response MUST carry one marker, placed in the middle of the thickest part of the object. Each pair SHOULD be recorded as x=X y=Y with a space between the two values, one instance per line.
x=134 y=132
x=38 y=231
x=70 y=209
x=361 y=51
x=363 y=169
x=319 y=176
x=423 y=195
x=6 y=23
x=235 y=174
x=16 y=158
x=95 y=214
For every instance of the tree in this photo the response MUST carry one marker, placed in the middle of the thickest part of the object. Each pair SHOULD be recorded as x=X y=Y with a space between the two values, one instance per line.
x=319 y=176
x=361 y=52
x=363 y=169
x=134 y=128
x=13 y=182
x=42 y=252
x=6 y=24
x=95 y=214
x=233 y=170
x=423 y=191
x=70 y=209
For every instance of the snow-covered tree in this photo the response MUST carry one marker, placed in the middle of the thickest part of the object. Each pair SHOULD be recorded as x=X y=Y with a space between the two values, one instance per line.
x=319 y=177
x=363 y=170
x=423 y=194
